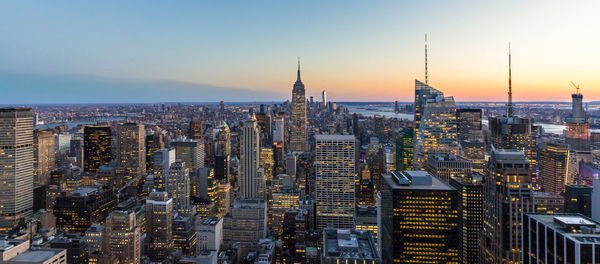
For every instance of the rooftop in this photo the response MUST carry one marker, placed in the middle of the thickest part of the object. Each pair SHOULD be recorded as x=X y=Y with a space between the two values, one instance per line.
x=349 y=244
x=574 y=226
x=334 y=137
x=84 y=191
x=415 y=180
x=38 y=255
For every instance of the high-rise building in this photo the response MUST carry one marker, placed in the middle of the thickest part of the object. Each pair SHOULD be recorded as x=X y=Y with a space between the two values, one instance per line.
x=557 y=167
x=189 y=151
x=474 y=151
x=264 y=123
x=250 y=181
x=154 y=141
x=16 y=170
x=97 y=147
x=162 y=160
x=184 y=233
x=159 y=234
x=404 y=149
x=222 y=168
x=267 y=162
x=324 y=98
x=560 y=238
x=279 y=129
x=469 y=125
x=349 y=246
x=437 y=131
x=177 y=184
x=578 y=128
x=548 y=203
x=223 y=140
x=423 y=93
x=43 y=156
x=366 y=220
x=195 y=130
x=210 y=234
x=335 y=181
x=298 y=139
x=283 y=196
x=78 y=210
x=246 y=223
x=419 y=219
x=93 y=239
x=122 y=237
x=507 y=194
x=447 y=166
x=131 y=151
x=578 y=199
x=470 y=215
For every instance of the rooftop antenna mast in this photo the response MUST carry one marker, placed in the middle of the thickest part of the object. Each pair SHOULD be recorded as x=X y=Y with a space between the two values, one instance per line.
x=510 y=103
x=426 y=72
x=576 y=87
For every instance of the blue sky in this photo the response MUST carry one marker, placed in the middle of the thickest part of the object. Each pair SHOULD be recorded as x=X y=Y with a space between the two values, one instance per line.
x=192 y=50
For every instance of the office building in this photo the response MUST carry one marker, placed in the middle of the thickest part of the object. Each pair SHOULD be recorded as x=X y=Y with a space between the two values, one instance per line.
x=210 y=234
x=335 y=181
x=154 y=142
x=548 y=203
x=122 y=237
x=470 y=215
x=298 y=137
x=16 y=251
x=131 y=151
x=366 y=220
x=404 y=149
x=447 y=166
x=596 y=197
x=184 y=234
x=249 y=178
x=16 y=149
x=578 y=199
x=349 y=246
x=468 y=123
x=195 y=130
x=283 y=196
x=557 y=167
x=78 y=210
x=474 y=151
x=43 y=156
x=77 y=249
x=162 y=161
x=279 y=129
x=221 y=167
x=267 y=162
x=93 y=238
x=189 y=151
x=560 y=238
x=419 y=219
x=97 y=147
x=246 y=223
x=578 y=128
x=159 y=226
x=507 y=194
x=177 y=185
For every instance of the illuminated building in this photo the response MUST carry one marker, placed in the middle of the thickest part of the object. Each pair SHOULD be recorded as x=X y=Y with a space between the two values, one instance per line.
x=246 y=223
x=507 y=193
x=131 y=151
x=470 y=215
x=437 y=131
x=162 y=160
x=423 y=93
x=189 y=151
x=279 y=129
x=184 y=234
x=283 y=196
x=154 y=142
x=578 y=199
x=122 y=237
x=223 y=140
x=43 y=156
x=249 y=178
x=178 y=185
x=294 y=228
x=224 y=198
x=264 y=123
x=557 y=167
x=560 y=238
x=298 y=137
x=204 y=185
x=366 y=220
x=390 y=158
x=76 y=211
x=267 y=162
x=93 y=238
x=378 y=126
x=447 y=166
x=195 y=130
x=419 y=219
x=159 y=234
x=468 y=123
x=548 y=203
x=335 y=181
x=474 y=151
x=349 y=246
x=578 y=128
x=404 y=149
x=77 y=249
x=96 y=147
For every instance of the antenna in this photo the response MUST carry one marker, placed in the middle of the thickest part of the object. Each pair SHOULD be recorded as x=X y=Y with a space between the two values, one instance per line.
x=576 y=86
x=426 y=72
x=510 y=104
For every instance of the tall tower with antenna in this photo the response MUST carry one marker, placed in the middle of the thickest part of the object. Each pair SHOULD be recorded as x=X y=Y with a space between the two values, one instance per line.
x=510 y=103
x=426 y=72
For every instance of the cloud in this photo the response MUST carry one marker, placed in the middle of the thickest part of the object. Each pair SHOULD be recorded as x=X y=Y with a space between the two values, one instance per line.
x=27 y=88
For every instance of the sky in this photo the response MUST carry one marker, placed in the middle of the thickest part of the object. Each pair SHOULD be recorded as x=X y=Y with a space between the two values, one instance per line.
x=200 y=51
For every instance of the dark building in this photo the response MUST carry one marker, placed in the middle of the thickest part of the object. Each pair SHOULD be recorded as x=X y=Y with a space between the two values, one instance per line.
x=97 y=148
x=75 y=212
x=293 y=236
x=470 y=214
x=578 y=199
x=196 y=131
x=447 y=166
x=184 y=235
x=468 y=122
x=77 y=249
x=404 y=149
x=419 y=219
x=221 y=170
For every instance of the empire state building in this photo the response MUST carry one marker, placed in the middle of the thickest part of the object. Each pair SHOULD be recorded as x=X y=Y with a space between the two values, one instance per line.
x=298 y=140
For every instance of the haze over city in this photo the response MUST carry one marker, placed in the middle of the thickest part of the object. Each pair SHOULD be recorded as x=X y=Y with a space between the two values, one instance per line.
x=132 y=52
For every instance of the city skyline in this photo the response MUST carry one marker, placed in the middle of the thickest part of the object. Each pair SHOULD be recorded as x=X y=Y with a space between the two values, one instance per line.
x=133 y=53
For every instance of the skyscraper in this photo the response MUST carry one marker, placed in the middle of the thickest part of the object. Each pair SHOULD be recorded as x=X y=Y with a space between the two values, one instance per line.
x=16 y=170
x=470 y=215
x=469 y=125
x=177 y=184
x=324 y=98
x=404 y=149
x=121 y=237
x=43 y=156
x=162 y=159
x=190 y=151
x=437 y=131
x=250 y=182
x=578 y=128
x=97 y=147
x=298 y=140
x=557 y=167
x=195 y=130
x=507 y=194
x=131 y=151
x=335 y=181
x=159 y=233
x=447 y=166
x=419 y=219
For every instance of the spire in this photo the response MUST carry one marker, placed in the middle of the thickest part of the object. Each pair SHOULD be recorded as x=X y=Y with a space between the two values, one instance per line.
x=510 y=104
x=426 y=73
x=298 y=80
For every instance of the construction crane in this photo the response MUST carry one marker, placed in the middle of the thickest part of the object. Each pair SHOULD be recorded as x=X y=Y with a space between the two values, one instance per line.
x=576 y=86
